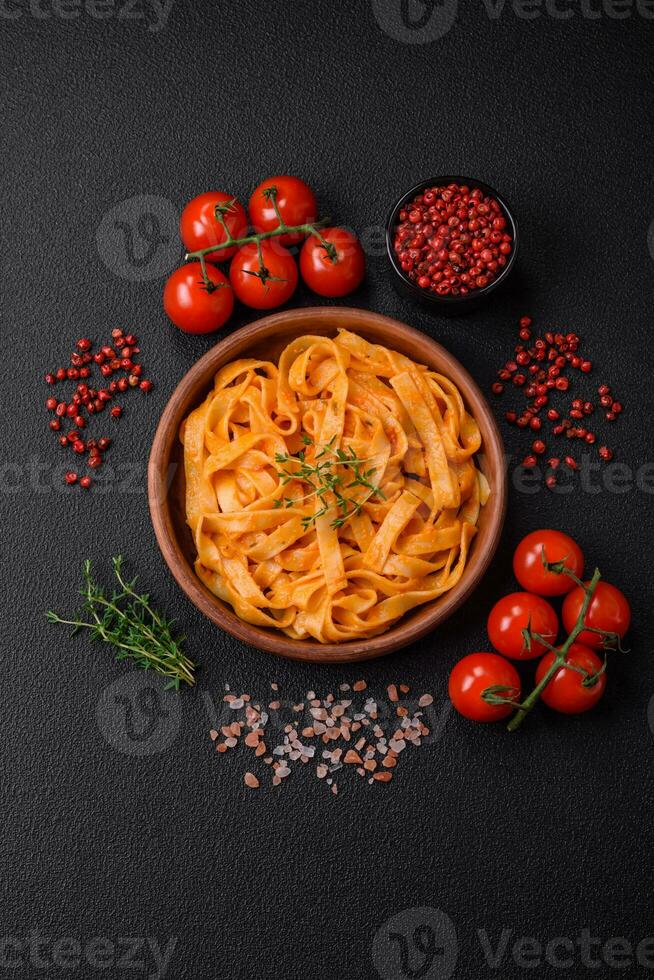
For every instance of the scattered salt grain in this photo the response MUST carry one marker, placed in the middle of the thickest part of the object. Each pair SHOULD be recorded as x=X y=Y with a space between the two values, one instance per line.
x=371 y=756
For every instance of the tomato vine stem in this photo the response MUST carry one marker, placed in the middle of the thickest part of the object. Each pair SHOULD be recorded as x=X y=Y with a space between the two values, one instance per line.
x=559 y=653
x=310 y=228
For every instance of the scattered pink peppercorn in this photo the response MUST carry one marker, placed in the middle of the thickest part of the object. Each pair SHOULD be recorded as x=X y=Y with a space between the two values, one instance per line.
x=85 y=482
x=71 y=477
x=606 y=453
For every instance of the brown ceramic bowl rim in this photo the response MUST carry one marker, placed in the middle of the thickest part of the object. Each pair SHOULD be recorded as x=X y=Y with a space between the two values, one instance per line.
x=189 y=393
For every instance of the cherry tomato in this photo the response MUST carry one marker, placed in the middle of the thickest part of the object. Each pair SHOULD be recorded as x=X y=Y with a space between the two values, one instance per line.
x=296 y=204
x=337 y=276
x=191 y=306
x=515 y=613
x=566 y=692
x=199 y=228
x=609 y=610
x=280 y=275
x=528 y=562
x=470 y=678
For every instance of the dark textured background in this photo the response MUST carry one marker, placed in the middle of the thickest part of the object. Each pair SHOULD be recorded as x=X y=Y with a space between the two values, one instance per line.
x=542 y=833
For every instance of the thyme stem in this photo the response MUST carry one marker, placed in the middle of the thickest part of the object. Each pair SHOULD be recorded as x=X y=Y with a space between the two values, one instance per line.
x=128 y=622
x=326 y=483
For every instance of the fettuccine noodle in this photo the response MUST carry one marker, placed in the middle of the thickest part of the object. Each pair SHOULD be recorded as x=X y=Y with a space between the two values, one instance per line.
x=295 y=535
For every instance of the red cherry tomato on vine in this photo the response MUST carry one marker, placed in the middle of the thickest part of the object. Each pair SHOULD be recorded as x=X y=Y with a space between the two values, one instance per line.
x=191 y=306
x=296 y=204
x=280 y=278
x=558 y=547
x=470 y=678
x=338 y=275
x=566 y=691
x=515 y=613
x=199 y=228
x=609 y=610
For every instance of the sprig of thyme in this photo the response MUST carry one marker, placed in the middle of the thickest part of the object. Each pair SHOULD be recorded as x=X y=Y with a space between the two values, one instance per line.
x=127 y=621
x=323 y=477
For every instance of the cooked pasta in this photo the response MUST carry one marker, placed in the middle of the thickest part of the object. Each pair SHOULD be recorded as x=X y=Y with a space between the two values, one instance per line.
x=331 y=493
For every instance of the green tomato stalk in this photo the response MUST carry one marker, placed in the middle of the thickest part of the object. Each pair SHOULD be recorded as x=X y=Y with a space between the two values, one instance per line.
x=493 y=695
x=282 y=229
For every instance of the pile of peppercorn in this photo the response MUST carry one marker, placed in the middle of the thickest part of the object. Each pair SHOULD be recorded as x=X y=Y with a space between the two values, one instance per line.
x=116 y=361
x=538 y=370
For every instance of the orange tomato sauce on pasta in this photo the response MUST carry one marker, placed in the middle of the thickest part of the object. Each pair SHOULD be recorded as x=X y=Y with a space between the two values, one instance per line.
x=293 y=534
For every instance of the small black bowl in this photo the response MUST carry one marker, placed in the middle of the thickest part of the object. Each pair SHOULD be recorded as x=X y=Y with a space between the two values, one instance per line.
x=448 y=305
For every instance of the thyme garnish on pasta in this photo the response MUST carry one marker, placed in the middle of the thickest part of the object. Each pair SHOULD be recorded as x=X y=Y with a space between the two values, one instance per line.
x=323 y=476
